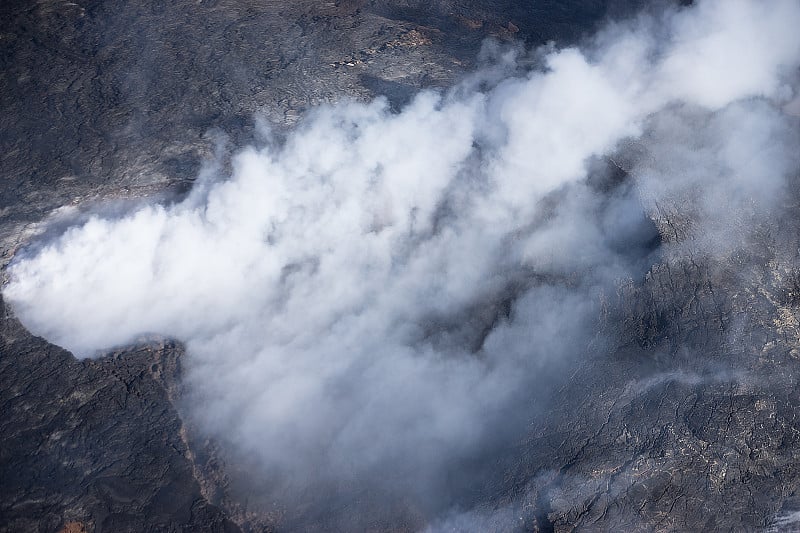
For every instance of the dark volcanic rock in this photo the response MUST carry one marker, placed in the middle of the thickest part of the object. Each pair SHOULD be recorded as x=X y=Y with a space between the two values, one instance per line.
x=101 y=95
x=95 y=443
x=688 y=422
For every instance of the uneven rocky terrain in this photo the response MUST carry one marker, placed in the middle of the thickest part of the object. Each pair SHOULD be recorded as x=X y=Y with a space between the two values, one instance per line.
x=686 y=420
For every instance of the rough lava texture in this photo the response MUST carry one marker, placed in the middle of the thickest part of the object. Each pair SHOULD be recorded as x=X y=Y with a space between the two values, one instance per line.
x=94 y=444
x=685 y=420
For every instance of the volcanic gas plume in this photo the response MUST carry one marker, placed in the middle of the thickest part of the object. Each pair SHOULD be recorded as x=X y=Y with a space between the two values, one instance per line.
x=381 y=294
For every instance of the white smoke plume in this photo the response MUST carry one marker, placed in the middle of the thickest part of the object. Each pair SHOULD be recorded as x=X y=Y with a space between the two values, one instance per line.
x=378 y=295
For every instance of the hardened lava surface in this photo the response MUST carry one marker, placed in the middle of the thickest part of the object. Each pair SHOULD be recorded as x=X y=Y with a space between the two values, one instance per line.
x=688 y=420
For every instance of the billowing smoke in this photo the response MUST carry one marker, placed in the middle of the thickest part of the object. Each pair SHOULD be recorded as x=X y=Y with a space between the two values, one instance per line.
x=381 y=294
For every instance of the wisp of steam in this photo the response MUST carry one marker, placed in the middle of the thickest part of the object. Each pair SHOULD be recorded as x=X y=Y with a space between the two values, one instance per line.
x=377 y=295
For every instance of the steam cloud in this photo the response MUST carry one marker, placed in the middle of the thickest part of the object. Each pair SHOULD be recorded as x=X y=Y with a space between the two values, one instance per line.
x=379 y=295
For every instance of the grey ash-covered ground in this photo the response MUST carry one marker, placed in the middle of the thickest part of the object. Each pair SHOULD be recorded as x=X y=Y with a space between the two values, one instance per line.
x=686 y=420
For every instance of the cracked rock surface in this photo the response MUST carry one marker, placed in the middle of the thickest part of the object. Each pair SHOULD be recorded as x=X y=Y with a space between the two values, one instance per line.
x=93 y=442
x=688 y=422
